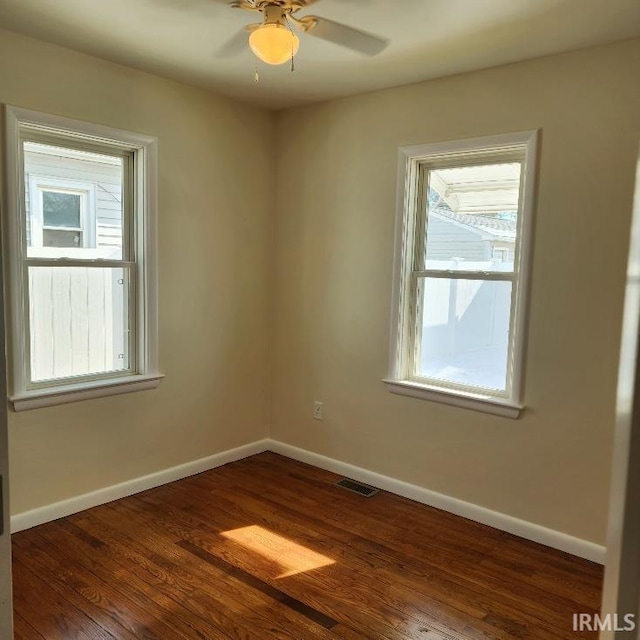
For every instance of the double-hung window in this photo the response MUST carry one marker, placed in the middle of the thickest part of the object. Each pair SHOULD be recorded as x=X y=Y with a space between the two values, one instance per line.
x=464 y=226
x=80 y=237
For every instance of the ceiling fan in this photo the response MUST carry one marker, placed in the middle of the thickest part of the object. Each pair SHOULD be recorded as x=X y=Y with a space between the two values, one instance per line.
x=274 y=42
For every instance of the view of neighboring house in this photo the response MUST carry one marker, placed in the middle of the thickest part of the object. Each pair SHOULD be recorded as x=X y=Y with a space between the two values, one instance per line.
x=476 y=238
x=77 y=219
x=472 y=224
x=64 y=212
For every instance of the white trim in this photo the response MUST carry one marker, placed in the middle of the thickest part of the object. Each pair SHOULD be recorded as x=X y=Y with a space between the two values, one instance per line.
x=146 y=249
x=38 y=516
x=465 y=145
x=525 y=249
x=15 y=302
x=515 y=526
x=412 y=161
x=143 y=314
x=78 y=128
x=51 y=396
x=488 y=404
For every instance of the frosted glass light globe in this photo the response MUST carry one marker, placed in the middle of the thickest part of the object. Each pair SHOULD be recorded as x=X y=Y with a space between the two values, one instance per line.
x=274 y=44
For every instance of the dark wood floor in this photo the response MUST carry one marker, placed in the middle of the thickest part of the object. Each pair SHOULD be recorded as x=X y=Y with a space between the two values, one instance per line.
x=270 y=548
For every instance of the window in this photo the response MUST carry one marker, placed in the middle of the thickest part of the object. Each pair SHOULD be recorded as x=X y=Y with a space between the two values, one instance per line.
x=62 y=211
x=463 y=235
x=501 y=255
x=80 y=237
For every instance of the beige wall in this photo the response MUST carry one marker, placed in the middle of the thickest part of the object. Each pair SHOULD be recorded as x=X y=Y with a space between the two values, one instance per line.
x=215 y=223
x=334 y=250
x=333 y=258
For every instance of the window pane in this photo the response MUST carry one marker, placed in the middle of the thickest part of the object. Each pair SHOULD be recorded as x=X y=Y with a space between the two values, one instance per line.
x=472 y=217
x=67 y=188
x=61 y=209
x=465 y=332
x=58 y=238
x=79 y=321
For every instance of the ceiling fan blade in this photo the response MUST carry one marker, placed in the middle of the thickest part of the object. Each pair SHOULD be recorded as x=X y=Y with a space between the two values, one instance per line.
x=234 y=46
x=297 y=5
x=342 y=35
x=241 y=4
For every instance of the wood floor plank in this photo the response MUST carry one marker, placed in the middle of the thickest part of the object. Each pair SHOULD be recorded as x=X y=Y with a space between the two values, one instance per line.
x=386 y=582
x=54 y=617
x=268 y=547
x=138 y=576
x=212 y=594
x=118 y=610
x=314 y=587
x=79 y=591
x=548 y=605
x=313 y=614
x=22 y=630
x=511 y=619
x=348 y=557
x=259 y=566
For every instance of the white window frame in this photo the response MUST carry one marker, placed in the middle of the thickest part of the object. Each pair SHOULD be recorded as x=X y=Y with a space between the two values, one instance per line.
x=411 y=213
x=145 y=371
x=86 y=191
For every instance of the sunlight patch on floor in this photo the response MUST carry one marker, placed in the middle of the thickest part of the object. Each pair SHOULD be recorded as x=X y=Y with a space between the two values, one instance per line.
x=292 y=557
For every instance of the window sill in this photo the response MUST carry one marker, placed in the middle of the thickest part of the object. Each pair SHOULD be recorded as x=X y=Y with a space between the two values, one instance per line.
x=495 y=406
x=35 y=399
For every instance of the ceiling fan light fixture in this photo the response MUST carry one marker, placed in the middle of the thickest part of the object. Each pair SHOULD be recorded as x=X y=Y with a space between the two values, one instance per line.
x=274 y=43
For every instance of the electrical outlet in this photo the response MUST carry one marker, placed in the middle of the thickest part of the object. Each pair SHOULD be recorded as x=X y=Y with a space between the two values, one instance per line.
x=318 y=408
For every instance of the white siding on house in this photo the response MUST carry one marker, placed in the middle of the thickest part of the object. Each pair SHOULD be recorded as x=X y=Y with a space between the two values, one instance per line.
x=448 y=240
x=468 y=238
x=104 y=175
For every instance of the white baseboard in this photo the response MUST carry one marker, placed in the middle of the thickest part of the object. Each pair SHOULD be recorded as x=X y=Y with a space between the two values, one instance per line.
x=522 y=528
x=32 y=518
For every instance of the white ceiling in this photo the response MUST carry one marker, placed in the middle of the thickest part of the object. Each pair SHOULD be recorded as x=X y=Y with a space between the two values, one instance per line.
x=428 y=39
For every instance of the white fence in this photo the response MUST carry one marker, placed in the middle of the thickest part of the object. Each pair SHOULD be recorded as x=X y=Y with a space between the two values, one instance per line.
x=78 y=319
x=463 y=315
x=462 y=319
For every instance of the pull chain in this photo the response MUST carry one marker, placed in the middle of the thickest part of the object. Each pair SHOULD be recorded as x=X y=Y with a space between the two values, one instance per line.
x=293 y=67
x=257 y=76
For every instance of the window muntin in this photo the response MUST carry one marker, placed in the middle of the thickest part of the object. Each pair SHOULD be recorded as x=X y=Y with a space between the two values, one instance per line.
x=464 y=225
x=118 y=248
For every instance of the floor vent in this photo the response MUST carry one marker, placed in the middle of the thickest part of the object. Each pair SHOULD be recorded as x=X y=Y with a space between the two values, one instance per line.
x=356 y=487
